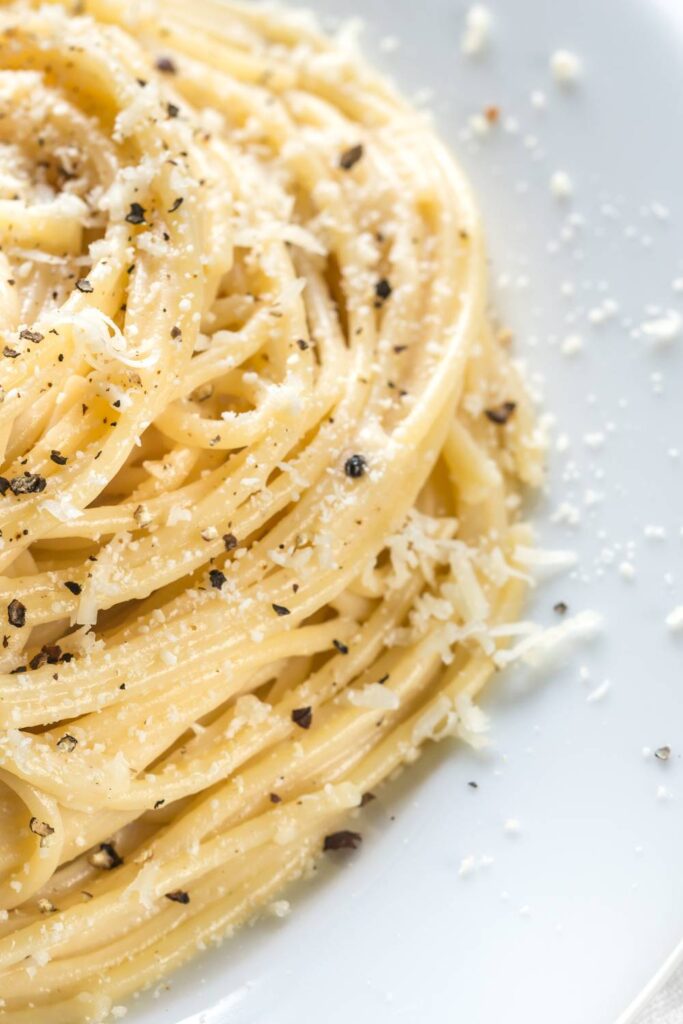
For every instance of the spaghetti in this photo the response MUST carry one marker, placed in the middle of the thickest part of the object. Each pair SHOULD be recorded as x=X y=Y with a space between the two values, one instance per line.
x=261 y=460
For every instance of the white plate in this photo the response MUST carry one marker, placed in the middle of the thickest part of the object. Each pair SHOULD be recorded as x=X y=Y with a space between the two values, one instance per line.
x=577 y=911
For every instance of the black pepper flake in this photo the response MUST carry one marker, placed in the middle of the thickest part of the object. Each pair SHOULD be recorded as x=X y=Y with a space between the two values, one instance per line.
x=34 y=336
x=280 y=609
x=217 y=578
x=663 y=753
x=367 y=798
x=355 y=466
x=74 y=587
x=383 y=679
x=67 y=743
x=500 y=414
x=178 y=896
x=175 y=332
x=4 y=485
x=40 y=828
x=37 y=660
x=383 y=289
x=302 y=343
x=105 y=857
x=166 y=65
x=176 y=204
x=136 y=214
x=275 y=799
x=560 y=607
x=229 y=541
x=342 y=648
x=84 y=285
x=29 y=483
x=53 y=653
x=350 y=157
x=58 y=457
x=172 y=110
x=10 y=353
x=473 y=785
x=16 y=613
x=303 y=717
x=343 y=840
x=158 y=804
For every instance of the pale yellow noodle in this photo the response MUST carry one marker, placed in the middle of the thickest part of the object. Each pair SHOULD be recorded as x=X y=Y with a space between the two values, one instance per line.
x=262 y=459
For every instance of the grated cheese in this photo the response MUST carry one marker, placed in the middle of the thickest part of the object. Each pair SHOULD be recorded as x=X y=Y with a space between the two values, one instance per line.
x=145 y=106
x=561 y=185
x=536 y=649
x=674 y=619
x=538 y=558
x=664 y=329
x=374 y=696
x=473 y=724
x=62 y=508
x=477 y=32
x=565 y=67
x=599 y=692
x=102 y=341
x=572 y=344
x=144 y=885
x=426 y=727
x=280 y=908
x=467 y=866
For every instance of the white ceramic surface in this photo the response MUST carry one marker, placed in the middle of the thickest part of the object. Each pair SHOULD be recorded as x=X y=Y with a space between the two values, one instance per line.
x=576 y=911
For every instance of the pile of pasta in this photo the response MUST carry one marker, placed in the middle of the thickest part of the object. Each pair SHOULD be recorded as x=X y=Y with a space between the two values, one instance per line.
x=262 y=453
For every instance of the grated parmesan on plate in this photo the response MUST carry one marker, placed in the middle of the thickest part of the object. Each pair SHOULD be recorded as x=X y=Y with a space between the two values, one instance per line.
x=561 y=185
x=538 y=648
x=538 y=558
x=565 y=67
x=477 y=33
x=664 y=329
x=674 y=619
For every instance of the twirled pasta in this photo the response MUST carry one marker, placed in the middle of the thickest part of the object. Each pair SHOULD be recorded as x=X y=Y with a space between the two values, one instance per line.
x=262 y=453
